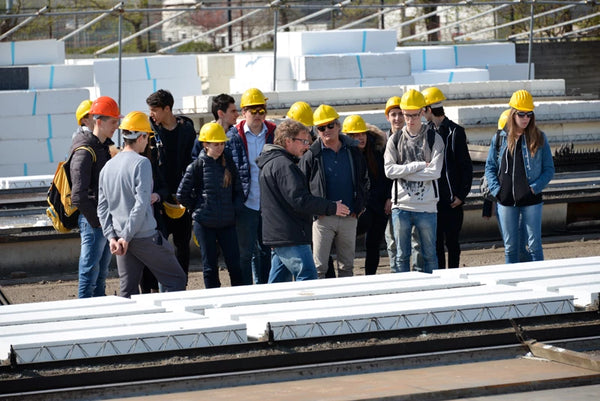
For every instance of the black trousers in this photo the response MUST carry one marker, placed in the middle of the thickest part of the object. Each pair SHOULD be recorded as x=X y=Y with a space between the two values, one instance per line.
x=449 y=224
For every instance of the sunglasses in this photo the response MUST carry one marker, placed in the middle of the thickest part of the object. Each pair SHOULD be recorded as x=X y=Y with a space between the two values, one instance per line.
x=254 y=112
x=305 y=142
x=322 y=128
x=524 y=114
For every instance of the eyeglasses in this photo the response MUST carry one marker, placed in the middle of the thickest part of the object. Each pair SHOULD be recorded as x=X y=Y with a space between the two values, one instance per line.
x=304 y=141
x=524 y=114
x=322 y=128
x=410 y=116
x=261 y=112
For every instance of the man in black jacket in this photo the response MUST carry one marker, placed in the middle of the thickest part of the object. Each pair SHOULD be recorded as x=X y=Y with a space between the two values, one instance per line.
x=455 y=180
x=335 y=169
x=289 y=205
x=172 y=143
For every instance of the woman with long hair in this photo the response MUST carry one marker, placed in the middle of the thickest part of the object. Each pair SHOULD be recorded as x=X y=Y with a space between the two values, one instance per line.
x=517 y=174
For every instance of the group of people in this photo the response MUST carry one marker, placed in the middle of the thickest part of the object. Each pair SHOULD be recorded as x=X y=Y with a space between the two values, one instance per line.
x=276 y=199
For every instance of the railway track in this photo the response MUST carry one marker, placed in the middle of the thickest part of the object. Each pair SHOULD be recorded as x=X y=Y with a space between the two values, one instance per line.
x=267 y=362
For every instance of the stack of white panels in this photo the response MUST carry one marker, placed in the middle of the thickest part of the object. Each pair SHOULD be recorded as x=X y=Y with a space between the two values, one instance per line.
x=255 y=70
x=141 y=76
x=433 y=77
x=332 y=42
x=60 y=76
x=36 y=128
x=47 y=51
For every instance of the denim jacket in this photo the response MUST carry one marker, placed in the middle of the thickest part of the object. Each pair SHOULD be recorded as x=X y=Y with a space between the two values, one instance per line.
x=539 y=167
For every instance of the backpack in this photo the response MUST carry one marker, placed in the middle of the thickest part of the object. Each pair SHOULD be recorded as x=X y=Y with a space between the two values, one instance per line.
x=484 y=189
x=60 y=211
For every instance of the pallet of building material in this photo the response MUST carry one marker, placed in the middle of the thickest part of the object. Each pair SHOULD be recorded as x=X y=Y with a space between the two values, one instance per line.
x=38 y=126
x=350 y=66
x=145 y=68
x=433 y=77
x=25 y=169
x=336 y=41
x=354 y=83
x=15 y=151
x=60 y=76
x=44 y=101
x=27 y=52
x=510 y=72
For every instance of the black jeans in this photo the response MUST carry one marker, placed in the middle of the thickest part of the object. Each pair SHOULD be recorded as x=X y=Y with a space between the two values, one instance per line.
x=373 y=226
x=449 y=224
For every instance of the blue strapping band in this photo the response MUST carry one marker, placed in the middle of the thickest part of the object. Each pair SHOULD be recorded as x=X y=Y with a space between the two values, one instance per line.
x=424 y=59
x=364 y=42
x=455 y=55
x=24 y=169
x=451 y=76
x=51 y=83
x=154 y=85
x=147 y=69
x=360 y=71
x=12 y=53
x=50 y=156
x=49 y=125
x=34 y=103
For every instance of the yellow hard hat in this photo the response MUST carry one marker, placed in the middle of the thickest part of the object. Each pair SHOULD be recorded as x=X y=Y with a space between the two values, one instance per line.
x=301 y=112
x=433 y=95
x=391 y=103
x=503 y=119
x=412 y=100
x=324 y=114
x=173 y=210
x=521 y=100
x=212 y=132
x=354 y=124
x=136 y=121
x=82 y=110
x=253 y=97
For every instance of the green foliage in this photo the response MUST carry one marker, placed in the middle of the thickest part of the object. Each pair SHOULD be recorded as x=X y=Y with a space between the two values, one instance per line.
x=196 y=47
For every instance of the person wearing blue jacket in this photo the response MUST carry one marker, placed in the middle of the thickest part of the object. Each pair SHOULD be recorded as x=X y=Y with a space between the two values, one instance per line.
x=517 y=174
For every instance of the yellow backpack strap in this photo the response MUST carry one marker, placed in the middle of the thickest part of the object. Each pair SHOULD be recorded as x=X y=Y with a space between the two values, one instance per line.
x=89 y=149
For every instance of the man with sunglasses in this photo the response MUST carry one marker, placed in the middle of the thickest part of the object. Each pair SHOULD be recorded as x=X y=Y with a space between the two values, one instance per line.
x=455 y=181
x=335 y=169
x=415 y=167
x=284 y=193
x=246 y=142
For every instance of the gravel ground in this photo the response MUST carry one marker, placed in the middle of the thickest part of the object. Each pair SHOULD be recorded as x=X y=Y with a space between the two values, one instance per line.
x=53 y=288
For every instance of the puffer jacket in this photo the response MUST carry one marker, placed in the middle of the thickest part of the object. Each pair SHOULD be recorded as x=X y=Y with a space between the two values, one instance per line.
x=85 y=174
x=539 y=168
x=238 y=146
x=311 y=165
x=284 y=196
x=201 y=190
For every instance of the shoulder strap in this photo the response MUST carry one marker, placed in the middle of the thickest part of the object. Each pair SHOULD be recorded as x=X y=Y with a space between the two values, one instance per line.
x=89 y=149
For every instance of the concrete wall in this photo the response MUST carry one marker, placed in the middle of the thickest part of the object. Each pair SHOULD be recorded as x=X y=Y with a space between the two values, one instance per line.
x=575 y=62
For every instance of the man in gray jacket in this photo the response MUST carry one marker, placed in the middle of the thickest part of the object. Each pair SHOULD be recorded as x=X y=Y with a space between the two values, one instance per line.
x=126 y=215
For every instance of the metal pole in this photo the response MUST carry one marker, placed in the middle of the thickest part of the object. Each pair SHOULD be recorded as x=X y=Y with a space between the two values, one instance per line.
x=120 y=68
x=25 y=22
x=530 y=44
x=275 y=18
x=229 y=28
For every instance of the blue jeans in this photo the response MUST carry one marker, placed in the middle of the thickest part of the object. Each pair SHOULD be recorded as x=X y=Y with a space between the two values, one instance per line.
x=255 y=257
x=292 y=261
x=530 y=217
x=426 y=226
x=93 y=260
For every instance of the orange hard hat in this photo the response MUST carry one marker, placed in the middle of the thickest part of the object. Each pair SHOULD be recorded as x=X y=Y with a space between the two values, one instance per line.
x=105 y=106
